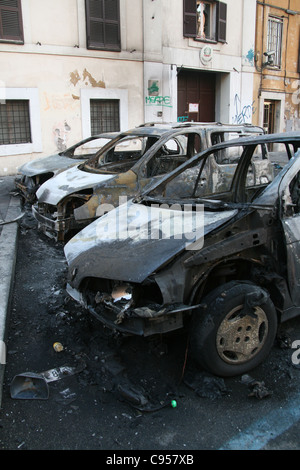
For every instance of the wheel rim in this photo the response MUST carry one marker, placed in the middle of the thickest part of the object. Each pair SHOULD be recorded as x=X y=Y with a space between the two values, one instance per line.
x=241 y=337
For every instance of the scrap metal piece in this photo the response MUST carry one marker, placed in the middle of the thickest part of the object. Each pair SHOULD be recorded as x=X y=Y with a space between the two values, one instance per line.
x=31 y=385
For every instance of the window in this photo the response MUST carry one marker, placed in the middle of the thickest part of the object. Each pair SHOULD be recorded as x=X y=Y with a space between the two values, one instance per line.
x=205 y=20
x=15 y=122
x=11 y=27
x=275 y=38
x=105 y=98
x=105 y=116
x=127 y=150
x=20 y=122
x=103 y=24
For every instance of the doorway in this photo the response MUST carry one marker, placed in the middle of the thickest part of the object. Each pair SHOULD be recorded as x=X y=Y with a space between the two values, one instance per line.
x=269 y=120
x=269 y=113
x=196 y=96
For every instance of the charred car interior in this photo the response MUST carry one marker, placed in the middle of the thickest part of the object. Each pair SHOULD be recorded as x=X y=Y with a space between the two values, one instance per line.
x=212 y=249
x=133 y=160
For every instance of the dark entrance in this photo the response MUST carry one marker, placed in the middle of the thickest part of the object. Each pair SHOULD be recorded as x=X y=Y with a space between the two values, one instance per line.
x=196 y=96
x=269 y=119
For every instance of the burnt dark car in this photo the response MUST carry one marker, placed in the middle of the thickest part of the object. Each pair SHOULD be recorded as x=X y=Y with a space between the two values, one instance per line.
x=137 y=157
x=218 y=254
x=33 y=174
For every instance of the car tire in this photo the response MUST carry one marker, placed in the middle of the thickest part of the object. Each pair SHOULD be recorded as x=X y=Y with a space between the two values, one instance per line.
x=234 y=329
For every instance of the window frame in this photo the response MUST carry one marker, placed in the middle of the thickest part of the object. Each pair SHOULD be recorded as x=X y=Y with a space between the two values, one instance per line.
x=218 y=20
x=92 y=43
x=273 y=19
x=104 y=101
x=87 y=94
x=18 y=39
x=16 y=123
x=31 y=95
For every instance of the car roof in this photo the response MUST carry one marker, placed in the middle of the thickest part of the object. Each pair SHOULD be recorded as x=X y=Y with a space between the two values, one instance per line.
x=283 y=137
x=158 y=129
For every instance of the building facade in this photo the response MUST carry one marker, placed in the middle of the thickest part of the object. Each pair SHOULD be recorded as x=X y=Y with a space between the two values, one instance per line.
x=277 y=65
x=73 y=68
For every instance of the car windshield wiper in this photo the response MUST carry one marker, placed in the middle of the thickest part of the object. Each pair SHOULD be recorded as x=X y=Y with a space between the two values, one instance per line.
x=208 y=203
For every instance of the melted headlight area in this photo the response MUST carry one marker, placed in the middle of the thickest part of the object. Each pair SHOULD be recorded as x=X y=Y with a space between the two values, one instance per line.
x=130 y=308
x=58 y=221
x=28 y=185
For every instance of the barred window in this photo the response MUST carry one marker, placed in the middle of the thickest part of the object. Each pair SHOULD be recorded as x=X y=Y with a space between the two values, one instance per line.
x=275 y=26
x=105 y=116
x=15 y=122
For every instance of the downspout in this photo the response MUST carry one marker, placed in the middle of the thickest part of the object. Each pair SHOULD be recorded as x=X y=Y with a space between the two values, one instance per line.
x=143 y=60
x=262 y=48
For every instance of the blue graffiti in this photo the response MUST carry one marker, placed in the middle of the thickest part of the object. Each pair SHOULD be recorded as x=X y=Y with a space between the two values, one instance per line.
x=250 y=56
x=242 y=114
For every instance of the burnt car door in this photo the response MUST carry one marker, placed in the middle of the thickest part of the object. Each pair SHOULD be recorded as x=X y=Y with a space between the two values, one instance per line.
x=166 y=157
x=289 y=192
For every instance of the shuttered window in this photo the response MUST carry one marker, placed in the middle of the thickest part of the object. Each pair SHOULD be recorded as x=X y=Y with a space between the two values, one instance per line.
x=205 y=20
x=103 y=24
x=190 y=18
x=11 y=25
x=221 y=21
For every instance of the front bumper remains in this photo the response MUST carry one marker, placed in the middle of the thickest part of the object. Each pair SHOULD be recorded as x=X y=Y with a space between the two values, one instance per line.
x=55 y=228
x=141 y=321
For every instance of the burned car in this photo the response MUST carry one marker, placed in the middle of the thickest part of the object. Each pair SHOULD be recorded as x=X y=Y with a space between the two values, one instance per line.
x=33 y=174
x=219 y=256
x=75 y=197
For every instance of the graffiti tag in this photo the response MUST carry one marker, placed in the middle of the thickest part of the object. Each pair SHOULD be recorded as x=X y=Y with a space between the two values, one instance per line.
x=159 y=101
x=182 y=118
x=242 y=114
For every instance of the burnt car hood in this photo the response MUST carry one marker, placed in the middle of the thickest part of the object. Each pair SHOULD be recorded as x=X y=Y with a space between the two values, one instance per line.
x=68 y=182
x=105 y=248
x=51 y=164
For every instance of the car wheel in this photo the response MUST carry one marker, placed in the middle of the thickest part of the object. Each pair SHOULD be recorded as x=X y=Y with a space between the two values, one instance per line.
x=234 y=330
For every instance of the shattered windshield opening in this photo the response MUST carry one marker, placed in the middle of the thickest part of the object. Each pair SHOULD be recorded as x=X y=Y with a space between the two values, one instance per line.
x=120 y=156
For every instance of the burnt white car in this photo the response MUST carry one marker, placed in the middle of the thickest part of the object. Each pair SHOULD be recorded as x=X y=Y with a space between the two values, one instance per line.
x=33 y=174
x=123 y=167
x=230 y=271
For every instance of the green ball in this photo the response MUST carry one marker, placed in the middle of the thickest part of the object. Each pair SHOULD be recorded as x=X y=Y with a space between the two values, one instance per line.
x=173 y=403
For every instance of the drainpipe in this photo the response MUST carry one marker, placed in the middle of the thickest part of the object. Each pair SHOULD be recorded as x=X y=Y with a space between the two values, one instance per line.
x=143 y=59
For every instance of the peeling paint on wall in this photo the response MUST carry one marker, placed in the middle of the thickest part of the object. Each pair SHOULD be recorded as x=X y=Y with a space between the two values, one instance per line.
x=74 y=77
x=86 y=78
x=60 y=133
x=91 y=79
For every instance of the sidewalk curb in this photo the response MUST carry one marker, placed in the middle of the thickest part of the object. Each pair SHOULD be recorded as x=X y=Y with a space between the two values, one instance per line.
x=8 y=255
